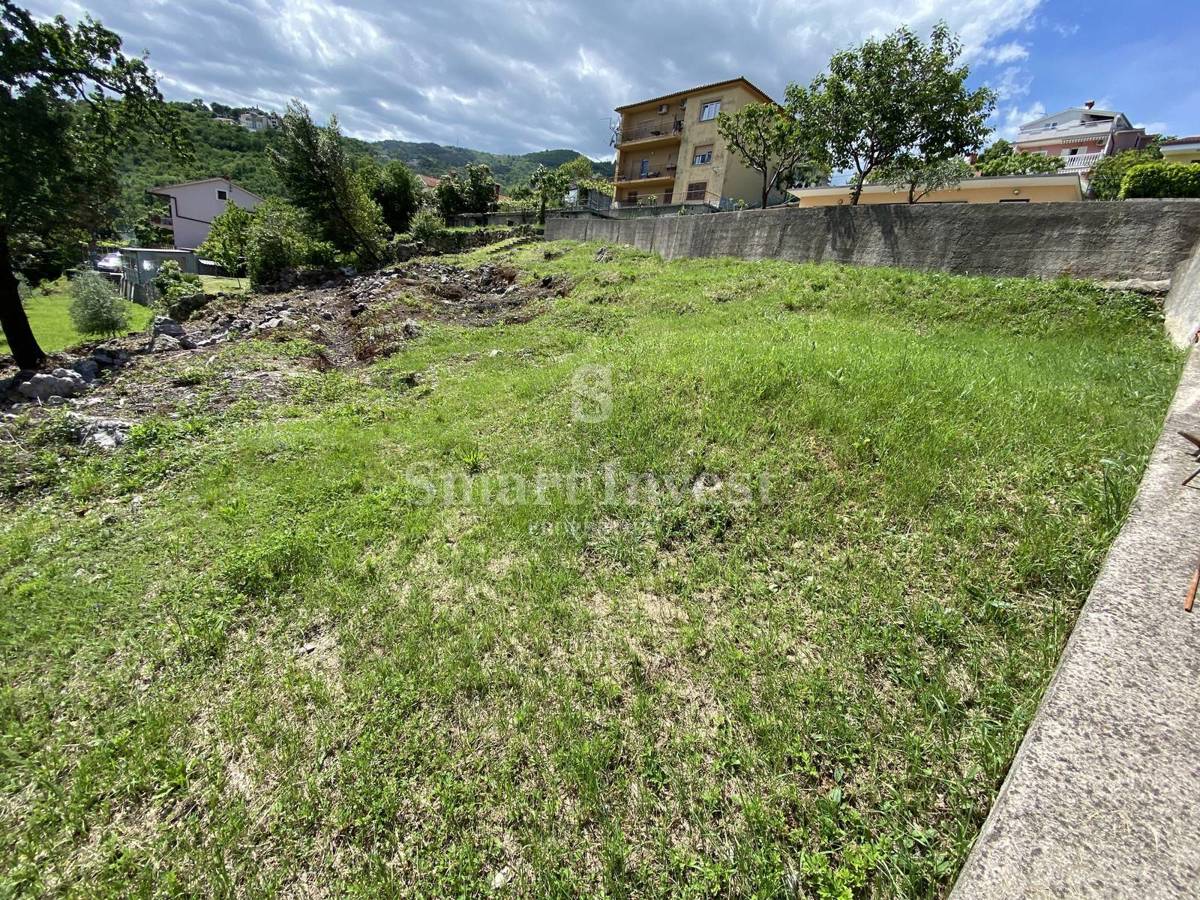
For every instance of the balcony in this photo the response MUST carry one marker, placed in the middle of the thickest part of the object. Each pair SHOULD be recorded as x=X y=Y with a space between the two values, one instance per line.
x=647 y=133
x=654 y=176
x=1081 y=162
x=162 y=221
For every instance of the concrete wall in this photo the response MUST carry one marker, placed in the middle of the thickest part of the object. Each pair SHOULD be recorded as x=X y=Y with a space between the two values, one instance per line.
x=1017 y=189
x=1146 y=239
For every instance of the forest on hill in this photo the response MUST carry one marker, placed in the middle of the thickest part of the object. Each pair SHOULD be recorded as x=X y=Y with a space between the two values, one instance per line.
x=221 y=149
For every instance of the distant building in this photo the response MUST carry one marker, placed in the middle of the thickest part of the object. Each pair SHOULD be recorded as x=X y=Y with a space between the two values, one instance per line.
x=430 y=182
x=224 y=120
x=257 y=120
x=1052 y=188
x=194 y=204
x=1080 y=136
x=1184 y=149
x=669 y=151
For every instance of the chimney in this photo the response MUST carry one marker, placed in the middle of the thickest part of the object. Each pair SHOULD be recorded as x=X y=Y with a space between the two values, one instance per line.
x=1089 y=104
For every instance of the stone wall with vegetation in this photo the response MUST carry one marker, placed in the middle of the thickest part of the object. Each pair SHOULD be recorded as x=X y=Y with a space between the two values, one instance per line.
x=1146 y=239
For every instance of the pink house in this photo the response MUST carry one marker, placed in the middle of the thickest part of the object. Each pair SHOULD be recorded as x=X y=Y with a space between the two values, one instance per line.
x=1080 y=136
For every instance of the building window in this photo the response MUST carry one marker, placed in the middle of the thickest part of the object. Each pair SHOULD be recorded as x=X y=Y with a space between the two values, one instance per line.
x=702 y=156
x=222 y=194
x=709 y=110
x=645 y=168
x=631 y=197
x=696 y=190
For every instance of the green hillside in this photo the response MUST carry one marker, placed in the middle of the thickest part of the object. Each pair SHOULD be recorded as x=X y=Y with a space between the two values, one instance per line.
x=222 y=149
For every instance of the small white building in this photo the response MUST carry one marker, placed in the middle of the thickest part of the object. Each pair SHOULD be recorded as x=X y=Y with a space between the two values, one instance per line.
x=194 y=204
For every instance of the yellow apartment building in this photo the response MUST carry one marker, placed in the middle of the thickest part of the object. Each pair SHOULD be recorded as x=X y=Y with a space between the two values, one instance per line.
x=669 y=151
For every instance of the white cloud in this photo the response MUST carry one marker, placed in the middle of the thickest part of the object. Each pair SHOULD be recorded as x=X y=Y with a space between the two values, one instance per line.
x=1005 y=53
x=1014 y=82
x=512 y=77
x=1011 y=118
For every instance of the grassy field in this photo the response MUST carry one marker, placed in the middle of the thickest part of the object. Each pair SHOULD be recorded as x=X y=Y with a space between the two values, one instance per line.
x=715 y=579
x=50 y=318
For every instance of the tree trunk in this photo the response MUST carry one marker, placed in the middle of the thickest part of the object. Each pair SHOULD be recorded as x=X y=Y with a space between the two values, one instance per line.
x=24 y=345
x=858 y=189
x=766 y=189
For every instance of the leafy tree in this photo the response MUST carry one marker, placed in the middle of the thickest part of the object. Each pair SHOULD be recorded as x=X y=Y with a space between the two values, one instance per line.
x=918 y=177
x=576 y=170
x=96 y=307
x=1022 y=164
x=316 y=172
x=770 y=140
x=278 y=241
x=1109 y=172
x=996 y=150
x=472 y=191
x=548 y=186
x=70 y=101
x=228 y=238
x=398 y=193
x=895 y=95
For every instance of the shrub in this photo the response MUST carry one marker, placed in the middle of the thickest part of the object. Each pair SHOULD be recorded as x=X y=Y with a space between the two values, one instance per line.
x=277 y=242
x=97 y=308
x=24 y=291
x=227 y=239
x=177 y=293
x=1161 y=179
x=1110 y=172
x=426 y=226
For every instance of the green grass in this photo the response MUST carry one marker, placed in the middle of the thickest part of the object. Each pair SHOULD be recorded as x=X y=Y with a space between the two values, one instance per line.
x=244 y=654
x=50 y=318
x=214 y=283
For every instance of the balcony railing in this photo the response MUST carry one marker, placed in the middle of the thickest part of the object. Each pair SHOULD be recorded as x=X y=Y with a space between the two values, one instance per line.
x=1081 y=162
x=656 y=172
x=686 y=198
x=162 y=221
x=650 y=130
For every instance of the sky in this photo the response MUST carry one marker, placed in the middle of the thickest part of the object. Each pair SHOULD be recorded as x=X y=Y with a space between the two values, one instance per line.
x=512 y=76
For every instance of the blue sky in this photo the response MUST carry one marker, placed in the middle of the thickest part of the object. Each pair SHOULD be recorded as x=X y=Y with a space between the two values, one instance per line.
x=1140 y=58
x=521 y=75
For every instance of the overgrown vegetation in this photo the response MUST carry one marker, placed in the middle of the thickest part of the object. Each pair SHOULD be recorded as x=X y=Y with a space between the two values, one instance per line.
x=245 y=652
x=96 y=307
x=1105 y=180
x=1161 y=179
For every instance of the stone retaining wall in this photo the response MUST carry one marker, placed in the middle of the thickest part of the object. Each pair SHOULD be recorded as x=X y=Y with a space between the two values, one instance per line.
x=1146 y=239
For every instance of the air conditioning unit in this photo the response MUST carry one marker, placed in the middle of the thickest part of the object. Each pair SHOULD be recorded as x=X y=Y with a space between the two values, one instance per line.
x=663 y=108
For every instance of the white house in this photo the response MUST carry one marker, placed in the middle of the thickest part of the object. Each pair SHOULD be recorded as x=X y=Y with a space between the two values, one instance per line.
x=194 y=204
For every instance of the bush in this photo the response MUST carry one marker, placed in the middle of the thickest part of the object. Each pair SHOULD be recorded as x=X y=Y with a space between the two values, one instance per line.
x=1110 y=172
x=24 y=291
x=277 y=242
x=426 y=226
x=1161 y=179
x=177 y=293
x=97 y=309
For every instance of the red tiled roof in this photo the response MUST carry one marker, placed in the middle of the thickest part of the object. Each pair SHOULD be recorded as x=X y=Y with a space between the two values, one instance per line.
x=1192 y=139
